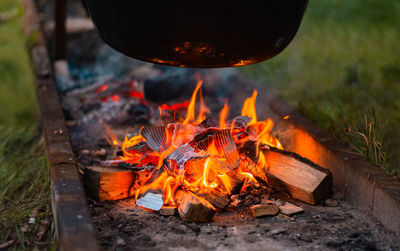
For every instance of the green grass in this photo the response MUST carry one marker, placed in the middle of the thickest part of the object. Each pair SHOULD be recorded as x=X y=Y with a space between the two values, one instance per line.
x=24 y=184
x=344 y=63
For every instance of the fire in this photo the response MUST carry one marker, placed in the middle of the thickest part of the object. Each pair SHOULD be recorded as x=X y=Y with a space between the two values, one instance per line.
x=223 y=114
x=249 y=108
x=190 y=157
x=190 y=115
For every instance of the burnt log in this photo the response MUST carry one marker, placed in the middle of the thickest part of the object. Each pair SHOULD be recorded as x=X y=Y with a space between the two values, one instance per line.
x=289 y=172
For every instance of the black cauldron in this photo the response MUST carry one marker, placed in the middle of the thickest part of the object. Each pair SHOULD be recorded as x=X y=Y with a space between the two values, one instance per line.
x=198 y=33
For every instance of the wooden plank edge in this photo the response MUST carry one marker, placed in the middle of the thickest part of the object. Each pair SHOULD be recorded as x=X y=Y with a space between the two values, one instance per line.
x=71 y=215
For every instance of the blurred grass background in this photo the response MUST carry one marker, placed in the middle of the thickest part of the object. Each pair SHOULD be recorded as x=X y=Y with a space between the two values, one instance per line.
x=24 y=176
x=342 y=71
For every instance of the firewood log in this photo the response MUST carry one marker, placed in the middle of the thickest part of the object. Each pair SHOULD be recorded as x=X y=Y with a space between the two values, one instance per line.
x=299 y=177
x=216 y=198
x=193 y=208
x=111 y=183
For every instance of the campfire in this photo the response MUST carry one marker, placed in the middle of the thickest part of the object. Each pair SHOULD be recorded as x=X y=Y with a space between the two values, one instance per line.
x=193 y=164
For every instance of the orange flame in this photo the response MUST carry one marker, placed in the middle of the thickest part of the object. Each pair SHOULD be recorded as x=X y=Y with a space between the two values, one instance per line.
x=210 y=171
x=190 y=116
x=249 y=108
x=223 y=114
x=203 y=110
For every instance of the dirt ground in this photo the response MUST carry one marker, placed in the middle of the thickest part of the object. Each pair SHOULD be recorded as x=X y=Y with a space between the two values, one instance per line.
x=122 y=226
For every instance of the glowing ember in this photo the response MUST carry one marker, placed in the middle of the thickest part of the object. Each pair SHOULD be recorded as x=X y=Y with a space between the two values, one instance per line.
x=188 y=156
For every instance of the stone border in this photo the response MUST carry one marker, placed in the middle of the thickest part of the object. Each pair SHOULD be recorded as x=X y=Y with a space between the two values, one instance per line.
x=71 y=215
x=366 y=186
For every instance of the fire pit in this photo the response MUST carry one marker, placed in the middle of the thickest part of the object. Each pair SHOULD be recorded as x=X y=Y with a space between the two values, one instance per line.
x=169 y=159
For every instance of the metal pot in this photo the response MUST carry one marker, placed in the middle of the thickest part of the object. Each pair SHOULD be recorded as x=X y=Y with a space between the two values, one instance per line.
x=198 y=34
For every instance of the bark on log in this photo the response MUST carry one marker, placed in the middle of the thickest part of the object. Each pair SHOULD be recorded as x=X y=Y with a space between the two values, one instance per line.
x=193 y=208
x=299 y=177
x=108 y=183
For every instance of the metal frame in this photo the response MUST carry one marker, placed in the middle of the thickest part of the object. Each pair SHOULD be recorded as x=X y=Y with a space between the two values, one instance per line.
x=71 y=215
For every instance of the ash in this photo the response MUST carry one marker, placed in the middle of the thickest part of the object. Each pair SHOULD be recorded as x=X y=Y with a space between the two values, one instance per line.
x=121 y=226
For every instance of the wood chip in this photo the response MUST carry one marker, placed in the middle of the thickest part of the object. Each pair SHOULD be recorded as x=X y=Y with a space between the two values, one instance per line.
x=331 y=202
x=264 y=210
x=290 y=209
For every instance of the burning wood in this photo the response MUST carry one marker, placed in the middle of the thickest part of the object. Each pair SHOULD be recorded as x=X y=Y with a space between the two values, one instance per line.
x=216 y=198
x=108 y=183
x=288 y=172
x=112 y=183
x=198 y=163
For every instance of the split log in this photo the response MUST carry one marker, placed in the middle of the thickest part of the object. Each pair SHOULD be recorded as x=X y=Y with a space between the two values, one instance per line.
x=299 y=177
x=193 y=208
x=216 y=198
x=112 y=183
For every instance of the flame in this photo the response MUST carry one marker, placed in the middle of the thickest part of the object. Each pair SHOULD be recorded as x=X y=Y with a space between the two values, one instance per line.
x=216 y=161
x=203 y=110
x=190 y=116
x=249 y=108
x=223 y=114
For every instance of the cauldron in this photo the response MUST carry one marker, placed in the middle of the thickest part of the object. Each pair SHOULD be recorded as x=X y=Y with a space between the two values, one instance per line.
x=198 y=33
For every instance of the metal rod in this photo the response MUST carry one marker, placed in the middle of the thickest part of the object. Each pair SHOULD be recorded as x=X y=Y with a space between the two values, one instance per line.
x=60 y=10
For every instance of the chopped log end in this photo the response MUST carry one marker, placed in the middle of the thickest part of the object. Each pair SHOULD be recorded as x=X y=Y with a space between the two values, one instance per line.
x=290 y=209
x=264 y=210
x=216 y=198
x=299 y=177
x=169 y=211
x=108 y=183
x=193 y=208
